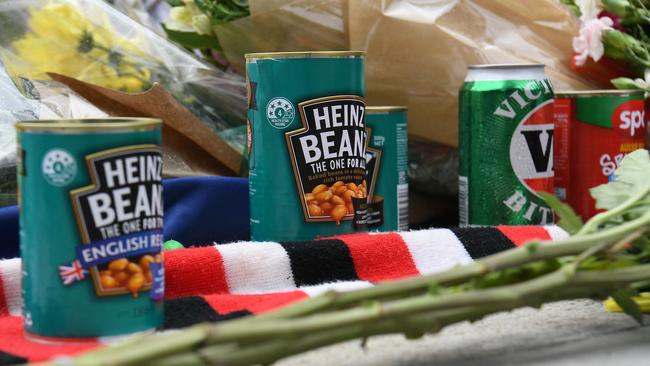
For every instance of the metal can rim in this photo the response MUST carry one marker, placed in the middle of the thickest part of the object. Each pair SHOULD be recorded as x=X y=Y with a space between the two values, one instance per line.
x=598 y=92
x=304 y=54
x=503 y=66
x=89 y=124
x=388 y=108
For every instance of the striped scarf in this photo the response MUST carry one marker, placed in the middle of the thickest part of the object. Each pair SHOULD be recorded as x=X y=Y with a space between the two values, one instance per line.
x=219 y=282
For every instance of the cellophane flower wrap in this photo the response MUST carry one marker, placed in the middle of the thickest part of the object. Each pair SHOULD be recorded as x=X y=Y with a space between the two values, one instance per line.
x=95 y=43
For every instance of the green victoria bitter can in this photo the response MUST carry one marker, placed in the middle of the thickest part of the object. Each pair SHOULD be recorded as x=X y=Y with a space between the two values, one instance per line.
x=91 y=221
x=307 y=144
x=506 y=145
x=387 y=165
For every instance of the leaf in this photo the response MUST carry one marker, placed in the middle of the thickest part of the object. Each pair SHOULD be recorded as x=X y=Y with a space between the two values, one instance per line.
x=192 y=40
x=624 y=299
x=626 y=83
x=631 y=178
x=569 y=220
x=223 y=10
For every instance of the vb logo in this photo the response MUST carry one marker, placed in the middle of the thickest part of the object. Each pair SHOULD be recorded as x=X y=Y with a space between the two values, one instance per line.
x=540 y=152
x=531 y=149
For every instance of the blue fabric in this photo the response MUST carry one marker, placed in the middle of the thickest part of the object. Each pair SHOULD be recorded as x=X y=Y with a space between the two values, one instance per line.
x=198 y=210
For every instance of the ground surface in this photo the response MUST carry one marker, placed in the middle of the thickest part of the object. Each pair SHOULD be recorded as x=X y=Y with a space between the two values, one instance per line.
x=561 y=334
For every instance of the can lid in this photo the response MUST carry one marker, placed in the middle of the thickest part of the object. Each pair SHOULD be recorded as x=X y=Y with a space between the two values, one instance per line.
x=89 y=124
x=500 y=72
x=598 y=92
x=384 y=109
x=304 y=54
x=504 y=66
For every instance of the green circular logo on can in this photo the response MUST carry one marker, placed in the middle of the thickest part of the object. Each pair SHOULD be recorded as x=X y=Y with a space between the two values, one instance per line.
x=280 y=112
x=59 y=167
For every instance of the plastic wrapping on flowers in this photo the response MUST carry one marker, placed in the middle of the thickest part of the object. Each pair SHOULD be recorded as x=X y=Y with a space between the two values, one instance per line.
x=417 y=53
x=26 y=100
x=93 y=42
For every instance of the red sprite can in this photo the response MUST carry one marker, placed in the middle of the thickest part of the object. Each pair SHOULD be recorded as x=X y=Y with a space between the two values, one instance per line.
x=594 y=131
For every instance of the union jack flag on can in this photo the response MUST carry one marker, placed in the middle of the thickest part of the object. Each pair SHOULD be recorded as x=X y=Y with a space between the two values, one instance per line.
x=72 y=273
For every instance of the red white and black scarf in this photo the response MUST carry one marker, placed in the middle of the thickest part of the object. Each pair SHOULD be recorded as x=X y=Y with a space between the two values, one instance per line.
x=218 y=282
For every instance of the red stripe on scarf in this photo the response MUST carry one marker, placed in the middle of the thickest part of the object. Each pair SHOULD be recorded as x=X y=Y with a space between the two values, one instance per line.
x=522 y=234
x=194 y=272
x=12 y=340
x=380 y=257
x=256 y=304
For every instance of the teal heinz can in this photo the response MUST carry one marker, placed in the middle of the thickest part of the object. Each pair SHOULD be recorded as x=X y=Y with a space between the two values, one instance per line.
x=387 y=165
x=307 y=144
x=91 y=227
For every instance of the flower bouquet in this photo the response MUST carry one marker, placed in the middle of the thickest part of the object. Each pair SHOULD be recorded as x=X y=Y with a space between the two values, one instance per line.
x=613 y=45
x=93 y=42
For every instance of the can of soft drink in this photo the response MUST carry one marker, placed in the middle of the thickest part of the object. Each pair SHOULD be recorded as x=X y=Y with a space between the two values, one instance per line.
x=598 y=128
x=506 y=145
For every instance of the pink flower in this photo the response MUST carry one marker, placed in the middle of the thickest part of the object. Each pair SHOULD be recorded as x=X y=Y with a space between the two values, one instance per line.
x=589 y=42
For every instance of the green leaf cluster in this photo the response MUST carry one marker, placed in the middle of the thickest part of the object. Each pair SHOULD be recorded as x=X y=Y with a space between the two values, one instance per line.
x=224 y=10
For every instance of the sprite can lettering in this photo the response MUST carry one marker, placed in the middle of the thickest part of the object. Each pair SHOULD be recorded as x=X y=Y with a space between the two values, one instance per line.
x=506 y=145
x=601 y=127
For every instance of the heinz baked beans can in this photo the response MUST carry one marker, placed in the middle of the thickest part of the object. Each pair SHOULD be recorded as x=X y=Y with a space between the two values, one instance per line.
x=601 y=127
x=387 y=166
x=307 y=144
x=91 y=227
x=506 y=145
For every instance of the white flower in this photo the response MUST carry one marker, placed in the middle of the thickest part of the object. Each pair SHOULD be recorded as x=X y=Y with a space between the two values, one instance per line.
x=180 y=19
x=589 y=42
x=188 y=18
x=589 y=9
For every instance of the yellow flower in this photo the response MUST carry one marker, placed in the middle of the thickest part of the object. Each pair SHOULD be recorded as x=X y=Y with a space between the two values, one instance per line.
x=53 y=43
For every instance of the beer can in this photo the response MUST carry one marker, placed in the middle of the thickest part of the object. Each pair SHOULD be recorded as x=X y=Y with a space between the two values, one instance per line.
x=307 y=144
x=505 y=145
x=387 y=166
x=91 y=227
x=602 y=126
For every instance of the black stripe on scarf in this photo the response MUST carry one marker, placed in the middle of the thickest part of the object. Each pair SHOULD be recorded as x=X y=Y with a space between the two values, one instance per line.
x=186 y=311
x=320 y=261
x=483 y=241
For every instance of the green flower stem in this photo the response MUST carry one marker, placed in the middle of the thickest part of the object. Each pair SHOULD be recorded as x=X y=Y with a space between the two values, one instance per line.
x=142 y=349
x=550 y=287
x=266 y=341
x=533 y=251
x=510 y=296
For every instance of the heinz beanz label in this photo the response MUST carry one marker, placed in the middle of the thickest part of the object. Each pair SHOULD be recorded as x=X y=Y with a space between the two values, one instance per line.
x=308 y=143
x=91 y=215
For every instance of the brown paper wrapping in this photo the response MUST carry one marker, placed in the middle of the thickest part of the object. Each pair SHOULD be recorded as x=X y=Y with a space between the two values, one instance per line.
x=189 y=146
x=417 y=53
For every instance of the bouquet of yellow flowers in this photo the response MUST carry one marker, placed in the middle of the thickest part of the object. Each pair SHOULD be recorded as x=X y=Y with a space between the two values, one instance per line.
x=93 y=42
